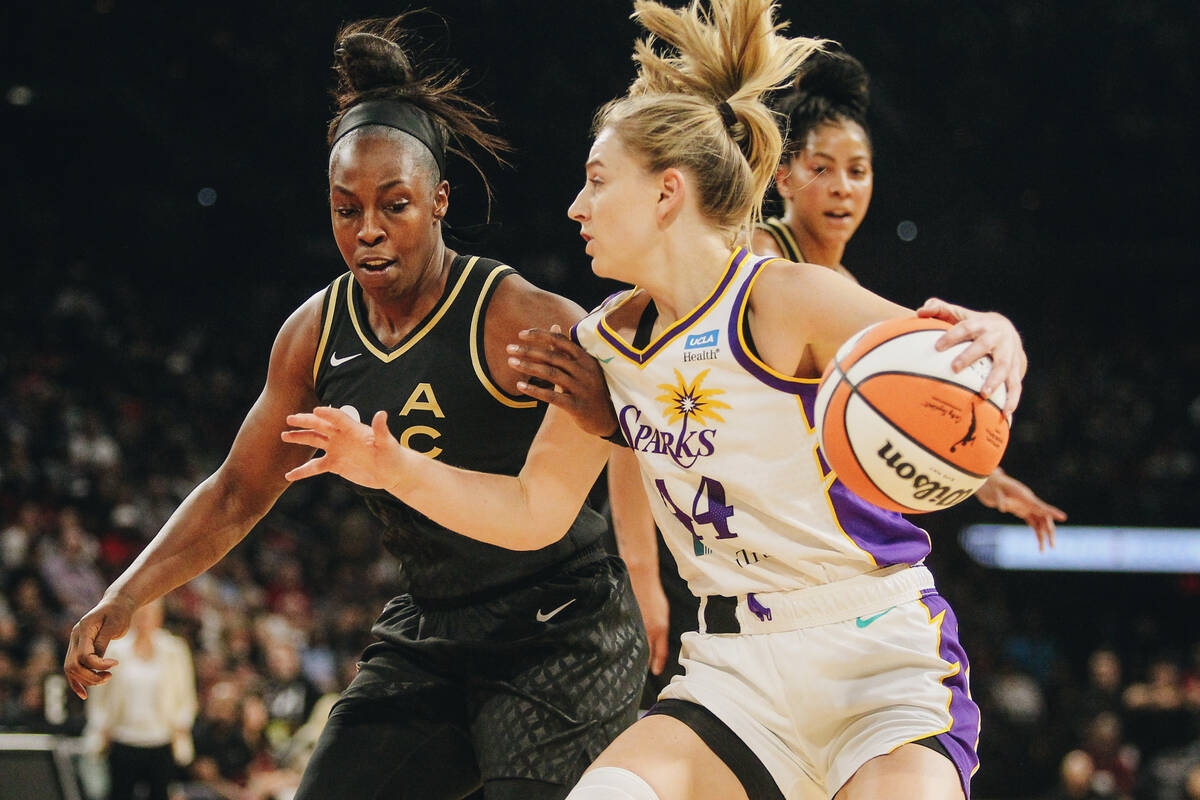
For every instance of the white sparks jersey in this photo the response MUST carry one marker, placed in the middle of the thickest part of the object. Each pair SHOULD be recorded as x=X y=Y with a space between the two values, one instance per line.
x=729 y=454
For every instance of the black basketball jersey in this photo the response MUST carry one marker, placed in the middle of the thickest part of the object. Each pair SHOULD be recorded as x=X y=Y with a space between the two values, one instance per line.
x=784 y=239
x=441 y=401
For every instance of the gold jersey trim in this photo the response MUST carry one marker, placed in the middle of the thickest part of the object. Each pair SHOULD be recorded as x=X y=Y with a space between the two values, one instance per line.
x=328 y=310
x=386 y=357
x=783 y=237
x=476 y=357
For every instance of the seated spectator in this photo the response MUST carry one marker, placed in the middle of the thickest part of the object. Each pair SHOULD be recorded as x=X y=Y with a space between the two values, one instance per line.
x=1076 y=778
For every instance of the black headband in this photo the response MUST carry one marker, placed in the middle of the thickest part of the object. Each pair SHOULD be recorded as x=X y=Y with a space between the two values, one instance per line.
x=403 y=117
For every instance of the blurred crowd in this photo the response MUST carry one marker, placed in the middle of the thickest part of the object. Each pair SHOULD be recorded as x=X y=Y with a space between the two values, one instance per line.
x=121 y=401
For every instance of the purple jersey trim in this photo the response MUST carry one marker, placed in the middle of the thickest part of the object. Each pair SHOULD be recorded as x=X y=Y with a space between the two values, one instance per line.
x=962 y=739
x=884 y=535
x=746 y=359
x=605 y=302
x=641 y=357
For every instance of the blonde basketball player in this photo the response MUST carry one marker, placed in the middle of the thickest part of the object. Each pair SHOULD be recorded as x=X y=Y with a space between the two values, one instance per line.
x=826 y=664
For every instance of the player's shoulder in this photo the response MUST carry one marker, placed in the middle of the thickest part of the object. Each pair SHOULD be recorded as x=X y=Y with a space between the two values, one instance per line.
x=519 y=303
x=791 y=277
x=788 y=292
x=306 y=317
x=295 y=345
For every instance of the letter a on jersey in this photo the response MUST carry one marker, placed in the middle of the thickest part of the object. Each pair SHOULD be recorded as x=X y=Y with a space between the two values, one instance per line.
x=422 y=399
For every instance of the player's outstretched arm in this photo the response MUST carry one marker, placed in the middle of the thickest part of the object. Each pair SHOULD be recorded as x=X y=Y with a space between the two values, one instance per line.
x=637 y=543
x=801 y=314
x=1005 y=493
x=217 y=514
x=523 y=512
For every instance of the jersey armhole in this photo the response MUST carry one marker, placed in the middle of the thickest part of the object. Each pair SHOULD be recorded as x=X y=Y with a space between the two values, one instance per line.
x=742 y=345
x=478 y=357
x=328 y=303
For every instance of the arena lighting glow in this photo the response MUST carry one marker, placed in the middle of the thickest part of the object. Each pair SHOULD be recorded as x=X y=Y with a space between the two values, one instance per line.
x=1085 y=548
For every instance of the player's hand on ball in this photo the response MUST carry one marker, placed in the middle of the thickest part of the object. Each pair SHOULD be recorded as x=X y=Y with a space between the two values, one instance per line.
x=365 y=454
x=576 y=382
x=990 y=334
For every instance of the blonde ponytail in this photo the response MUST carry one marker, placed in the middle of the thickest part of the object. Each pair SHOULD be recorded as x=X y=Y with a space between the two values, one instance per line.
x=698 y=105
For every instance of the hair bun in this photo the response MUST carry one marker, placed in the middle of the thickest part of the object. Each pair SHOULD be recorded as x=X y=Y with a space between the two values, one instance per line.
x=365 y=61
x=837 y=78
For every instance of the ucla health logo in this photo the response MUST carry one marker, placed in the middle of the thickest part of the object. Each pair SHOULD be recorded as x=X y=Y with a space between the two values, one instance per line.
x=701 y=346
x=690 y=405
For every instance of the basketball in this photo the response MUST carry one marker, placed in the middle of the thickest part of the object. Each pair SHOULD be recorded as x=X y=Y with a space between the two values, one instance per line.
x=899 y=427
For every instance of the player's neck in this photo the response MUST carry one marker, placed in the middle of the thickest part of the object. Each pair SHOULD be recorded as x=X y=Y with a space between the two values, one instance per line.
x=823 y=253
x=392 y=314
x=682 y=271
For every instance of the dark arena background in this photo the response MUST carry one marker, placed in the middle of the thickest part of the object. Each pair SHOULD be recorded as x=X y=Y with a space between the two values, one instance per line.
x=165 y=209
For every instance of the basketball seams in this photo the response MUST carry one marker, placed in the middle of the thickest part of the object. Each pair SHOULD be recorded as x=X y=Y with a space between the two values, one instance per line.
x=934 y=378
x=856 y=393
x=873 y=354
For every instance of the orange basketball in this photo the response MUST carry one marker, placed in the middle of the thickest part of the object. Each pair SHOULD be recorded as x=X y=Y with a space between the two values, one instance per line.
x=899 y=427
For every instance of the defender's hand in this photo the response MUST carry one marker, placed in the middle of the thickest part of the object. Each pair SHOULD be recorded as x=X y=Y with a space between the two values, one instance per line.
x=578 y=382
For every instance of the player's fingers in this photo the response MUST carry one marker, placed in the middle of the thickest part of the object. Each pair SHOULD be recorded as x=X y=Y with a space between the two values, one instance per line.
x=547 y=338
x=306 y=437
x=308 y=420
x=1012 y=397
x=547 y=395
x=96 y=662
x=658 y=652
x=379 y=426
x=935 y=307
x=964 y=331
x=563 y=359
x=547 y=372
x=314 y=466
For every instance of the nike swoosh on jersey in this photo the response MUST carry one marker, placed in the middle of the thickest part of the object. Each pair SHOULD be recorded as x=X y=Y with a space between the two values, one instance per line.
x=606 y=360
x=546 y=617
x=334 y=361
x=863 y=622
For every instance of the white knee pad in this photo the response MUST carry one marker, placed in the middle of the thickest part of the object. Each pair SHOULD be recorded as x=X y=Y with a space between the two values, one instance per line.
x=612 y=783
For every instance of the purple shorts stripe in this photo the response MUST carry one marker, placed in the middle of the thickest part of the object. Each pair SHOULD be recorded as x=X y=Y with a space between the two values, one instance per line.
x=962 y=739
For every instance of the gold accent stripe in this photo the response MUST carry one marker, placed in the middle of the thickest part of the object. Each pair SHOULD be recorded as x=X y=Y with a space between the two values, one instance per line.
x=790 y=244
x=741 y=326
x=389 y=357
x=329 y=310
x=494 y=390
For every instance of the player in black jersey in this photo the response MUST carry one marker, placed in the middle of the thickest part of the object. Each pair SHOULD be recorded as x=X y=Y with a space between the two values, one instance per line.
x=502 y=669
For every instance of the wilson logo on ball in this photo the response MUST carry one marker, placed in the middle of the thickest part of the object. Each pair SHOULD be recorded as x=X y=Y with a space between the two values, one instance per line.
x=899 y=427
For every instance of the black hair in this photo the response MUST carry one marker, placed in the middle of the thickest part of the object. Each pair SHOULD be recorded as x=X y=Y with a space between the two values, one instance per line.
x=832 y=86
x=372 y=62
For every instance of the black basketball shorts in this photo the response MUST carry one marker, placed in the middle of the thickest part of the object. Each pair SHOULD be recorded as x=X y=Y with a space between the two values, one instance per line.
x=528 y=685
